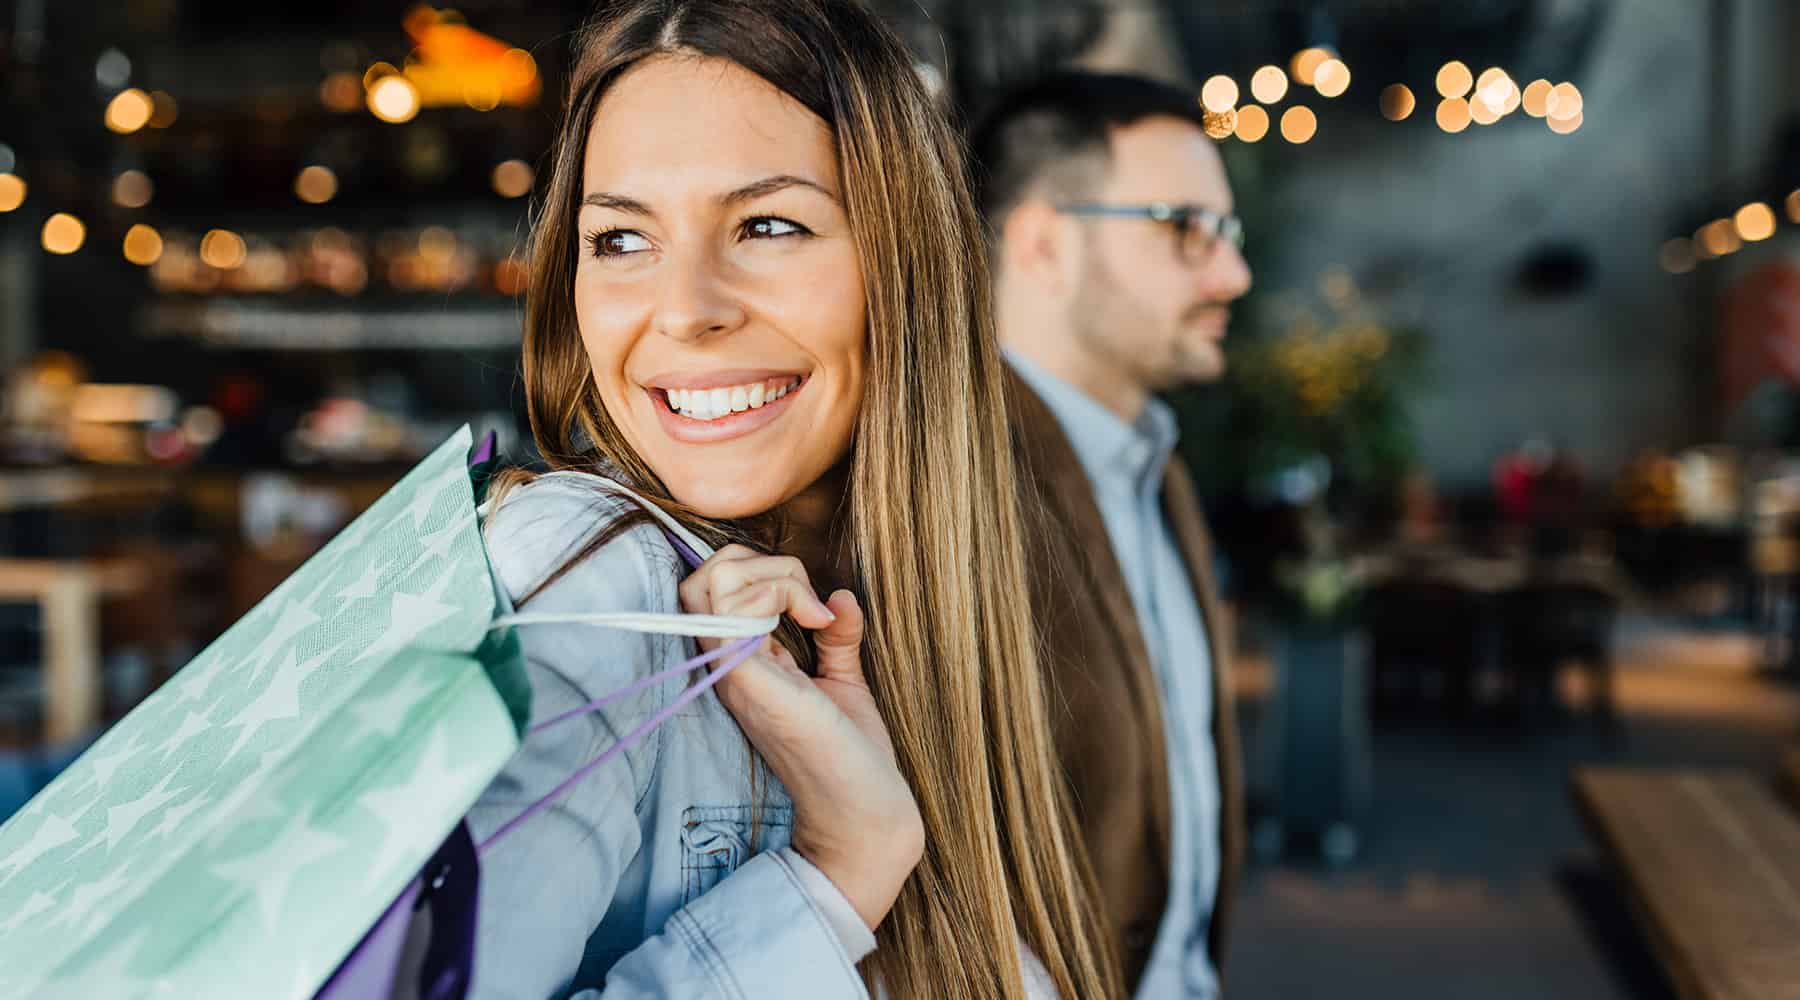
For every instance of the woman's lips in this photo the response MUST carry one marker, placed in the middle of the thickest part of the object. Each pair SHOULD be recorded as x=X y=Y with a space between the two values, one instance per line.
x=690 y=431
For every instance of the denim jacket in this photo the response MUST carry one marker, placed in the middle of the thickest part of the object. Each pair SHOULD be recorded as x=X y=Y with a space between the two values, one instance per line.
x=643 y=880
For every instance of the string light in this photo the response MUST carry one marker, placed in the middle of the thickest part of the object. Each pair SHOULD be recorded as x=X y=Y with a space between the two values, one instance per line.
x=12 y=192
x=1454 y=80
x=1481 y=112
x=1537 y=98
x=1498 y=91
x=1719 y=238
x=133 y=189
x=394 y=99
x=1269 y=84
x=341 y=92
x=512 y=178
x=223 y=249
x=1754 y=222
x=1332 y=78
x=163 y=109
x=316 y=184
x=1306 y=63
x=63 y=233
x=128 y=111
x=1219 y=124
x=1219 y=95
x=1677 y=255
x=1252 y=123
x=1565 y=102
x=1793 y=205
x=143 y=245
x=1564 y=126
x=1298 y=124
x=1453 y=114
x=1397 y=102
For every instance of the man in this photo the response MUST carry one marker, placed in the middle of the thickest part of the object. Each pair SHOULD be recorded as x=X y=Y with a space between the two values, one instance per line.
x=1116 y=258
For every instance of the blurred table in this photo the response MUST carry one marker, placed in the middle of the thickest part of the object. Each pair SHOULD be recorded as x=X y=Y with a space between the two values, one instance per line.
x=1712 y=863
x=68 y=594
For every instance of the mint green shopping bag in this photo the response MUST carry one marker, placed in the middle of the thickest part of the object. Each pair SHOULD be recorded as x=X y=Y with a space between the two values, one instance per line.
x=238 y=832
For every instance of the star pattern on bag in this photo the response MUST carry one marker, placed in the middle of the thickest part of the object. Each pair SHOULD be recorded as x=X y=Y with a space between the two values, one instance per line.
x=227 y=783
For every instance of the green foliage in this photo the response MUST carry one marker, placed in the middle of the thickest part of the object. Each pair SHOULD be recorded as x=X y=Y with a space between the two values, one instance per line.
x=1327 y=378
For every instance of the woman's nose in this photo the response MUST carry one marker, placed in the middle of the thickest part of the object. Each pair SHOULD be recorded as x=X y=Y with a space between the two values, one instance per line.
x=695 y=301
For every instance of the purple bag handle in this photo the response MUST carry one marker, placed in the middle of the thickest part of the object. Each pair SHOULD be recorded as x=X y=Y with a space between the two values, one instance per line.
x=732 y=653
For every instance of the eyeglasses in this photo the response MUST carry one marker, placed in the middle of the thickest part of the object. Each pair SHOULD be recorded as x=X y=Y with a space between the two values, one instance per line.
x=1197 y=228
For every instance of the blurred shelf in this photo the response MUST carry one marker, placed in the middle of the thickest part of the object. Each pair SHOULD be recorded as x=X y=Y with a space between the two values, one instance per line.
x=245 y=323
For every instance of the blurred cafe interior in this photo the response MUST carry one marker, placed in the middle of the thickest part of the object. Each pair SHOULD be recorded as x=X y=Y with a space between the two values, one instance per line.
x=1504 y=474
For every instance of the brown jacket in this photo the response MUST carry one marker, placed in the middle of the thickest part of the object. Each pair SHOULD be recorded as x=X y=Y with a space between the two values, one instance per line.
x=1103 y=695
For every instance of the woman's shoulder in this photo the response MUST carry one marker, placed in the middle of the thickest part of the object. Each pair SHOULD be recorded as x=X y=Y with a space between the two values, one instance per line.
x=542 y=526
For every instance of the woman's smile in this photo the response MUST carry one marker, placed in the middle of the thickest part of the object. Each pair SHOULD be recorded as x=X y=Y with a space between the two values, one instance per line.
x=722 y=406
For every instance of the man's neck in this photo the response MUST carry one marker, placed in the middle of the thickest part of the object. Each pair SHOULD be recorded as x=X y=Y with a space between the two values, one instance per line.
x=1098 y=381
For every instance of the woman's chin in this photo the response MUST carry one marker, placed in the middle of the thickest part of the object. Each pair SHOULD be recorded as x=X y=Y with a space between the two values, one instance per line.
x=725 y=494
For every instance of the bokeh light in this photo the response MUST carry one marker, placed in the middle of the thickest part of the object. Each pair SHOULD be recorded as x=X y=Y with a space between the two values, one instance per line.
x=1219 y=94
x=12 y=192
x=394 y=99
x=1397 y=102
x=1269 y=84
x=1453 y=114
x=1298 y=124
x=316 y=184
x=1454 y=80
x=1252 y=123
x=63 y=233
x=143 y=245
x=1754 y=222
x=512 y=178
x=1306 y=62
x=222 y=248
x=128 y=111
x=1332 y=78
x=133 y=189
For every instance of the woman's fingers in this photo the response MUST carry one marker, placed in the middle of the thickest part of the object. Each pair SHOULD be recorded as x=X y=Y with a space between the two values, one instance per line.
x=735 y=568
x=840 y=642
x=780 y=595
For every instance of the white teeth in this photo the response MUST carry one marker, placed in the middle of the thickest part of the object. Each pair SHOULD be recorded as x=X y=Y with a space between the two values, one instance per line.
x=711 y=404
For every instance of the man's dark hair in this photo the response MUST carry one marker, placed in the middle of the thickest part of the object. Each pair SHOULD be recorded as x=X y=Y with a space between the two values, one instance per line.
x=1057 y=130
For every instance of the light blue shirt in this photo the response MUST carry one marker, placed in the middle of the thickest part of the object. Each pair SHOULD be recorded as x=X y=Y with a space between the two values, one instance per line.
x=1125 y=463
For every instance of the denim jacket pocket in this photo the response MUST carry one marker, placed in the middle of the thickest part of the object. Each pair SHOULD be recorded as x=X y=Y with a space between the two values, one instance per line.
x=715 y=840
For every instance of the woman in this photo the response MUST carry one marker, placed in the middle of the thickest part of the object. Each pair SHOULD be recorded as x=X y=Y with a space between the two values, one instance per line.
x=757 y=297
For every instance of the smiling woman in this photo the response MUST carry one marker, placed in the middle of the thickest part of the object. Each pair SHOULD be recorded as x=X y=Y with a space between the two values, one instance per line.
x=758 y=297
x=736 y=269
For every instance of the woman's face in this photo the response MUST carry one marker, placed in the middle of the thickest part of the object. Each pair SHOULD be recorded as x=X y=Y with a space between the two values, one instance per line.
x=719 y=293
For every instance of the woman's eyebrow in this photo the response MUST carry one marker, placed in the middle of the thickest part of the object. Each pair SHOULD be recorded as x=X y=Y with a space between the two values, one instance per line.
x=618 y=202
x=770 y=185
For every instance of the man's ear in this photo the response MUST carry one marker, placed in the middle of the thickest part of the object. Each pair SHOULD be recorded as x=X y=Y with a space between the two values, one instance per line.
x=1041 y=246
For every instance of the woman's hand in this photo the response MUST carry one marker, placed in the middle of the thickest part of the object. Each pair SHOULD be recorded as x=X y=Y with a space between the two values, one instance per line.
x=854 y=816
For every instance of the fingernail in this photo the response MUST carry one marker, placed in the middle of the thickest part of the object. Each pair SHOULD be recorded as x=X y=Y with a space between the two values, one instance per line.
x=827 y=609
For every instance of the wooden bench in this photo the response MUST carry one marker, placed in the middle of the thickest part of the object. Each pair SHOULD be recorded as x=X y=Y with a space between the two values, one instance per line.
x=1712 y=865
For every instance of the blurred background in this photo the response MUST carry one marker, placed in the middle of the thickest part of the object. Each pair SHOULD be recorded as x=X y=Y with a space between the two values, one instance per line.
x=1505 y=473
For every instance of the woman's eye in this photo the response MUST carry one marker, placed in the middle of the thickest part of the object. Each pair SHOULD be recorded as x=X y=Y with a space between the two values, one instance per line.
x=617 y=242
x=770 y=227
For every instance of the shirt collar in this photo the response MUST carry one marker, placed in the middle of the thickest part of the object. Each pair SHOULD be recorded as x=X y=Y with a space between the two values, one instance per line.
x=1109 y=448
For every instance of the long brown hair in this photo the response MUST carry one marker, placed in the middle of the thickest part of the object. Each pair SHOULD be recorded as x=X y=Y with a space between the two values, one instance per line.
x=933 y=520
